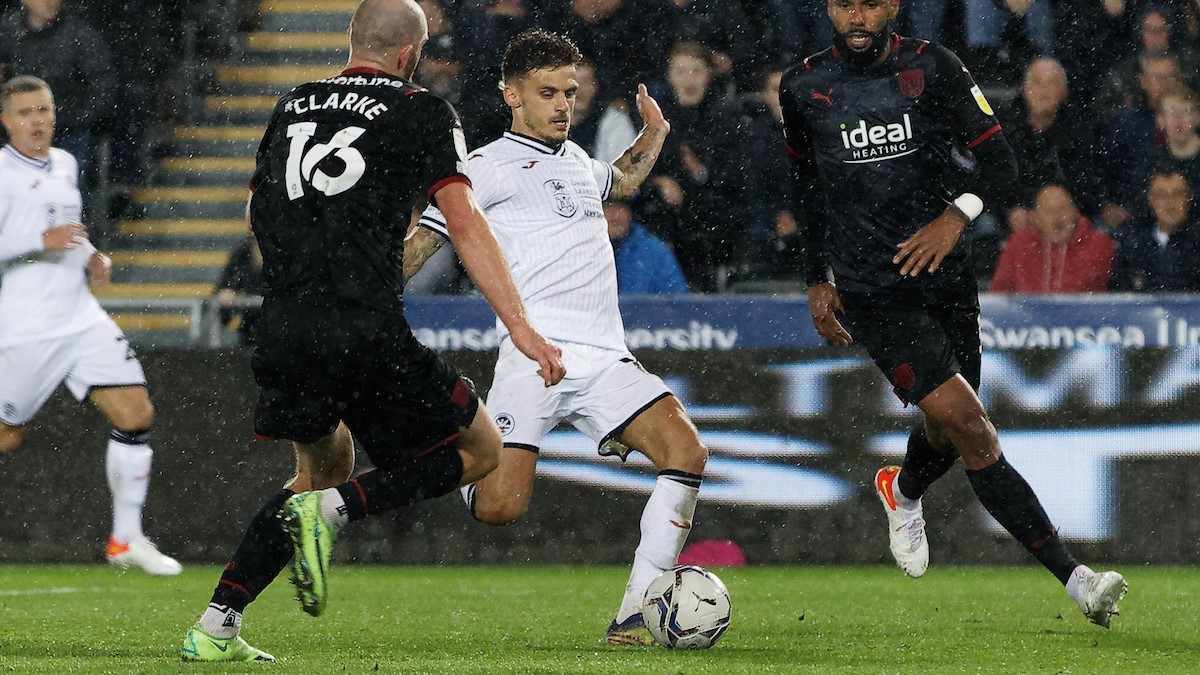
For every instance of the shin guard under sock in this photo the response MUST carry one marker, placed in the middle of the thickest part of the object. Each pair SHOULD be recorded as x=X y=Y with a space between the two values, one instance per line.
x=264 y=552
x=923 y=464
x=1010 y=500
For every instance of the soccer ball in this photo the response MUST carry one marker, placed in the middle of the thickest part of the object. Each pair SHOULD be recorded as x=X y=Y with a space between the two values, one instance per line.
x=686 y=607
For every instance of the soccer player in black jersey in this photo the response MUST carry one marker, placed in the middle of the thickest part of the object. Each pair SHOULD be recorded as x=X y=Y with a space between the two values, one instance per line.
x=895 y=149
x=338 y=170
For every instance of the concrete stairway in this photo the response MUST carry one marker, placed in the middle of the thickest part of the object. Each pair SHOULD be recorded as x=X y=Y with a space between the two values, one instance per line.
x=193 y=215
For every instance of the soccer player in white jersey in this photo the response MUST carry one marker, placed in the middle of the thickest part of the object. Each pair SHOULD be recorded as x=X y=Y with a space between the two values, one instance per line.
x=51 y=327
x=543 y=196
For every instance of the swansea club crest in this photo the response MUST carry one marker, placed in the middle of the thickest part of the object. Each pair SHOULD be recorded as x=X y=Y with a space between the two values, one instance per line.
x=564 y=203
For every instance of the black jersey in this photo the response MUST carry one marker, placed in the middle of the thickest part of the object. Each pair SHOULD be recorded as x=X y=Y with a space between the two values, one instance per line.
x=890 y=146
x=337 y=174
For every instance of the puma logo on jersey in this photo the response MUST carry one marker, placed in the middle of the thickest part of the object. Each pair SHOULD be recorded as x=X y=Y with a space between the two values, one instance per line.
x=818 y=96
x=530 y=164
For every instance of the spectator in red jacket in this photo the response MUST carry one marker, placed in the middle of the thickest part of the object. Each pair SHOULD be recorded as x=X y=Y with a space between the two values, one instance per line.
x=1062 y=253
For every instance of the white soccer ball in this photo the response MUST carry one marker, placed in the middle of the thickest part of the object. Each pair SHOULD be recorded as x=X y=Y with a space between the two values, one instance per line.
x=686 y=607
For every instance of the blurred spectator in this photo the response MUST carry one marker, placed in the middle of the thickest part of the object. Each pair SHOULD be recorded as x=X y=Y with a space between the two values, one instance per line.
x=698 y=180
x=1001 y=34
x=627 y=40
x=645 y=264
x=1053 y=142
x=604 y=129
x=1153 y=38
x=1091 y=37
x=774 y=244
x=143 y=36
x=482 y=28
x=1061 y=253
x=1179 y=121
x=1162 y=251
x=1129 y=140
x=40 y=39
x=439 y=69
x=241 y=278
x=724 y=28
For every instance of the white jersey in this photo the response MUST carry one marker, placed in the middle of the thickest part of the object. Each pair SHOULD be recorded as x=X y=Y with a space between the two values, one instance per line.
x=546 y=209
x=43 y=294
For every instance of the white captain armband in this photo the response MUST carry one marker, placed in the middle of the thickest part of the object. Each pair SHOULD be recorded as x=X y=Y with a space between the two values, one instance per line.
x=969 y=204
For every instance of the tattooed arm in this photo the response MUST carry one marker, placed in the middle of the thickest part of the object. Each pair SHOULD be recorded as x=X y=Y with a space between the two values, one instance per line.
x=631 y=168
x=420 y=244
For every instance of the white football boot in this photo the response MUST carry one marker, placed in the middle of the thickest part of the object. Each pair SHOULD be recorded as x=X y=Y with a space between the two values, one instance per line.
x=143 y=554
x=906 y=527
x=1097 y=594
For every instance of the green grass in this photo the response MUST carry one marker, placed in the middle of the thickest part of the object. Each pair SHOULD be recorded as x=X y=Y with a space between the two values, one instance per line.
x=60 y=619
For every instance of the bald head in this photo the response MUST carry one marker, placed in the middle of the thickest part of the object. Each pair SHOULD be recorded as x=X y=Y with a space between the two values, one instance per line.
x=388 y=33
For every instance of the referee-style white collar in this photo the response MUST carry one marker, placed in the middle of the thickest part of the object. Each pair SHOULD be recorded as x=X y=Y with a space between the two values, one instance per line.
x=535 y=144
x=32 y=162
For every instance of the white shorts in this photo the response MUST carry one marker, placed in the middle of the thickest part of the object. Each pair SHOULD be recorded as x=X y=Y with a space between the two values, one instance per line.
x=603 y=391
x=30 y=372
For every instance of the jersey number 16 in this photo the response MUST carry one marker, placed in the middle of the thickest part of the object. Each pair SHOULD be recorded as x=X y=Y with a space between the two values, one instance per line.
x=302 y=165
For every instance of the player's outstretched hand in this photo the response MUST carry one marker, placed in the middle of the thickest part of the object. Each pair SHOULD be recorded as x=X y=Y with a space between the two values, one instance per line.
x=99 y=270
x=652 y=115
x=926 y=249
x=825 y=305
x=63 y=237
x=548 y=356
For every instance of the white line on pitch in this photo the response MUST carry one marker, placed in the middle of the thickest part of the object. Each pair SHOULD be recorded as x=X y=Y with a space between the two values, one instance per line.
x=42 y=591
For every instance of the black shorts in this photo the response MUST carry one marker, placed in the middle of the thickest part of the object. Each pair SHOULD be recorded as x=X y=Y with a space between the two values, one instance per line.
x=320 y=361
x=918 y=339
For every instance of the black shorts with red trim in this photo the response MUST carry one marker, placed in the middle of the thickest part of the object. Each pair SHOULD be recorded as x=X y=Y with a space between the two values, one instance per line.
x=320 y=361
x=919 y=339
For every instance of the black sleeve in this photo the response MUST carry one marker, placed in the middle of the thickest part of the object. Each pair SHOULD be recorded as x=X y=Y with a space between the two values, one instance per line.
x=444 y=160
x=808 y=201
x=988 y=165
x=262 y=156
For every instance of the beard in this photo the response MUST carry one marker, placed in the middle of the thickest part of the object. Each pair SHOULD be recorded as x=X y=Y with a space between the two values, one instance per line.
x=879 y=42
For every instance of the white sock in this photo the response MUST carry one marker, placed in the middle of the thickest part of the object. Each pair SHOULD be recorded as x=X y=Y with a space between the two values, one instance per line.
x=1075 y=583
x=333 y=508
x=902 y=501
x=220 y=621
x=128 y=469
x=672 y=501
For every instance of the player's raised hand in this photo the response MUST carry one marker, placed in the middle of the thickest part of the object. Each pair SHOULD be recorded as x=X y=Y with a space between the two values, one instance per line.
x=652 y=115
x=926 y=249
x=99 y=270
x=825 y=305
x=548 y=356
x=63 y=237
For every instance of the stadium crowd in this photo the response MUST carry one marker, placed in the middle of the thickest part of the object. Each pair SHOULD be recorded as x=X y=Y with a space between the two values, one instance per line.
x=1098 y=100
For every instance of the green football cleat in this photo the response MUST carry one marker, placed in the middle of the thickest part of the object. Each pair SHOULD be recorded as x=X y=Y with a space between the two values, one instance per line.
x=200 y=646
x=312 y=540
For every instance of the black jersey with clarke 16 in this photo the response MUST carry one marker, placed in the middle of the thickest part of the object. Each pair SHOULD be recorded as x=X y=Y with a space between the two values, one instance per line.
x=337 y=174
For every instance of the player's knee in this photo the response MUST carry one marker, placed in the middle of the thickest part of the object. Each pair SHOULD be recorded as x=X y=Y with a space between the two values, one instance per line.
x=499 y=512
x=969 y=429
x=691 y=456
x=136 y=415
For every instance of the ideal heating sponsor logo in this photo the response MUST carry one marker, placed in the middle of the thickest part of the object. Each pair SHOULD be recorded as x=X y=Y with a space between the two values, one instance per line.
x=879 y=142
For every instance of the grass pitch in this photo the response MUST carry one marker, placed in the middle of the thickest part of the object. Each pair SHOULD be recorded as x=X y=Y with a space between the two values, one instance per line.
x=533 y=619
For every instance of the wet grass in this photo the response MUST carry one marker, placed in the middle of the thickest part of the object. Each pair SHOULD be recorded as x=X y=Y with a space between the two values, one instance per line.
x=534 y=619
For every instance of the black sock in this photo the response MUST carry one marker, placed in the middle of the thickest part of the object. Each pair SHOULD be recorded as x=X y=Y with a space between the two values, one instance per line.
x=374 y=492
x=923 y=464
x=1010 y=500
x=264 y=552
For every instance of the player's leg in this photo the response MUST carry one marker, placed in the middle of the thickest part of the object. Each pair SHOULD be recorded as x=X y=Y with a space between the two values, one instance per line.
x=524 y=411
x=263 y=552
x=29 y=374
x=664 y=434
x=1011 y=501
x=127 y=465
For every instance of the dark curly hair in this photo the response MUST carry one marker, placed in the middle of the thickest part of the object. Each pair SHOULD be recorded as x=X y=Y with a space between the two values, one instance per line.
x=537 y=49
